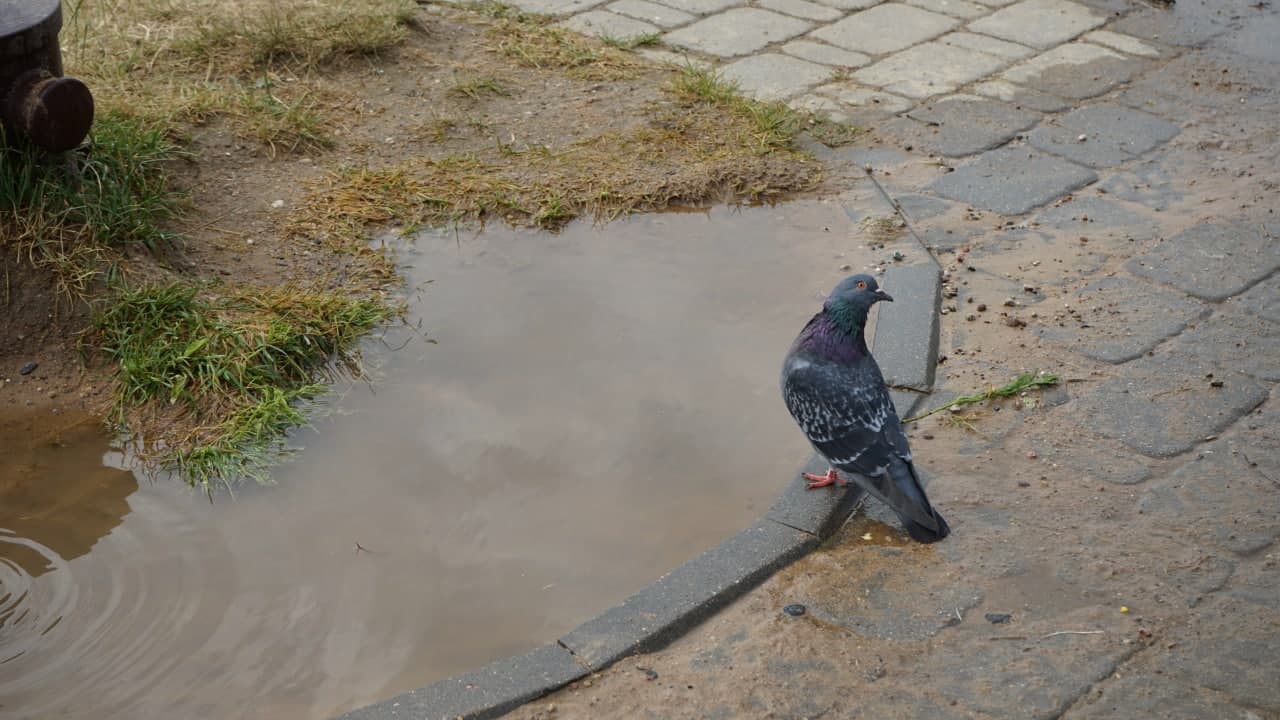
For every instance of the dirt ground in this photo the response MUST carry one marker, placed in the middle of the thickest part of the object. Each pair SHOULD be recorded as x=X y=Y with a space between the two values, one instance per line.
x=448 y=90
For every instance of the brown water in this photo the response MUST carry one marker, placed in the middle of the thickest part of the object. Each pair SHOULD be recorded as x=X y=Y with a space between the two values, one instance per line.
x=601 y=406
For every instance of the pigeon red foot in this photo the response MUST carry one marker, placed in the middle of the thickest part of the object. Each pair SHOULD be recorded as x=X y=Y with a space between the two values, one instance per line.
x=819 y=481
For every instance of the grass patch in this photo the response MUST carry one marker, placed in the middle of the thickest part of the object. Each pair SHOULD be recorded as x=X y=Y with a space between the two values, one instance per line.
x=173 y=61
x=477 y=87
x=705 y=140
x=240 y=363
x=1022 y=383
x=532 y=41
x=632 y=42
x=70 y=212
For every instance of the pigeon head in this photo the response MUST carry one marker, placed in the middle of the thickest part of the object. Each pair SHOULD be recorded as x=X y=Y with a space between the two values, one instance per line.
x=851 y=300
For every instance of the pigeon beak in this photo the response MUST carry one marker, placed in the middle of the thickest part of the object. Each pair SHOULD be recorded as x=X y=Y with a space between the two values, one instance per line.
x=882 y=295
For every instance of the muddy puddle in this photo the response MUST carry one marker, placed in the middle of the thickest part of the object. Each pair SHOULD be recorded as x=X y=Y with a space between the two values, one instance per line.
x=596 y=408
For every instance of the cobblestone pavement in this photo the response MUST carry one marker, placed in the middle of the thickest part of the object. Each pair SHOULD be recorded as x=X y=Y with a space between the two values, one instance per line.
x=1099 y=180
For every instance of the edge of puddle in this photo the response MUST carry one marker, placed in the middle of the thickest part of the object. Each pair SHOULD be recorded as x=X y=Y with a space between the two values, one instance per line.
x=676 y=602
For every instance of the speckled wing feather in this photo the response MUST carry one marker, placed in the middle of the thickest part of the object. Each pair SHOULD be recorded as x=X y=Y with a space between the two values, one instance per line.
x=848 y=416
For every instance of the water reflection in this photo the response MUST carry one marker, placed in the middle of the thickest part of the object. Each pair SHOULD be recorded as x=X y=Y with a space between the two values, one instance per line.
x=601 y=406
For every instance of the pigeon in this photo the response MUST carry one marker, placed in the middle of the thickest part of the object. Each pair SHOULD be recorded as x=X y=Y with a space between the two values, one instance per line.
x=836 y=393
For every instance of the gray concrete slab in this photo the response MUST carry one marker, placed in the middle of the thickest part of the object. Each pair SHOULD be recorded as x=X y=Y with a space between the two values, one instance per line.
x=485 y=693
x=818 y=512
x=651 y=12
x=675 y=602
x=1099 y=216
x=1118 y=319
x=911 y=320
x=555 y=7
x=1236 y=339
x=1039 y=23
x=1103 y=135
x=603 y=24
x=701 y=7
x=1076 y=71
x=1012 y=180
x=929 y=69
x=885 y=29
x=1151 y=182
x=736 y=32
x=1127 y=44
x=773 y=76
x=1263 y=300
x=960 y=125
x=1019 y=96
x=988 y=45
x=802 y=9
x=825 y=54
x=1165 y=405
x=1213 y=260
x=954 y=8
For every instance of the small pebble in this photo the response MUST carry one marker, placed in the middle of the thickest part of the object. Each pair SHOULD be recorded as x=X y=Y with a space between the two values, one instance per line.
x=998 y=618
x=846 y=268
x=794 y=609
x=277 y=204
x=970 y=317
x=1010 y=302
x=1015 y=322
x=1032 y=455
x=982 y=307
x=29 y=368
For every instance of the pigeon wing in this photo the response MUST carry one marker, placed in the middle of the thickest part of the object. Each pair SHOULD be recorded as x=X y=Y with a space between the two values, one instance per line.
x=848 y=416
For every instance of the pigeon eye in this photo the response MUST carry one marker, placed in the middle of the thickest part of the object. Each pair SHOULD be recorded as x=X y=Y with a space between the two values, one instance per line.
x=862 y=285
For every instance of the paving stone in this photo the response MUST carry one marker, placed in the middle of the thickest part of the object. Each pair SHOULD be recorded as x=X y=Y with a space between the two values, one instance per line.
x=954 y=8
x=1020 y=96
x=870 y=98
x=1027 y=679
x=1112 y=134
x=922 y=207
x=1213 y=260
x=1191 y=26
x=772 y=76
x=1239 y=665
x=1149 y=183
x=988 y=45
x=739 y=31
x=1123 y=43
x=1259 y=585
x=1242 y=342
x=1147 y=695
x=1095 y=216
x=929 y=69
x=1164 y=405
x=824 y=106
x=1075 y=70
x=1120 y=319
x=660 y=15
x=1217 y=498
x=802 y=9
x=1257 y=39
x=1012 y=180
x=825 y=54
x=701 y=7
x=850 y=4
x=1098 y=458
x=485 y=693
x=1263 y=300
x=995 y=3
x=877 y=603
x=680 y=599
x=606 y=24
x=1039 y=23
x=1039 y=259
x=885 y=29
x=961 y=125
x=911 y=320
x=555 y=7
x=1197 y=78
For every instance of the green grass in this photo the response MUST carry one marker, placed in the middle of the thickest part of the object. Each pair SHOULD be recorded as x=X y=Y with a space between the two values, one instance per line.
x=69 y=211
x=1022 y=383
x=241 y=363
x=632 y=42
x=477 y=87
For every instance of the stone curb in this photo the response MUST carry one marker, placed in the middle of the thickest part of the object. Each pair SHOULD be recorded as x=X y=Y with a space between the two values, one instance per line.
x=673 y=604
